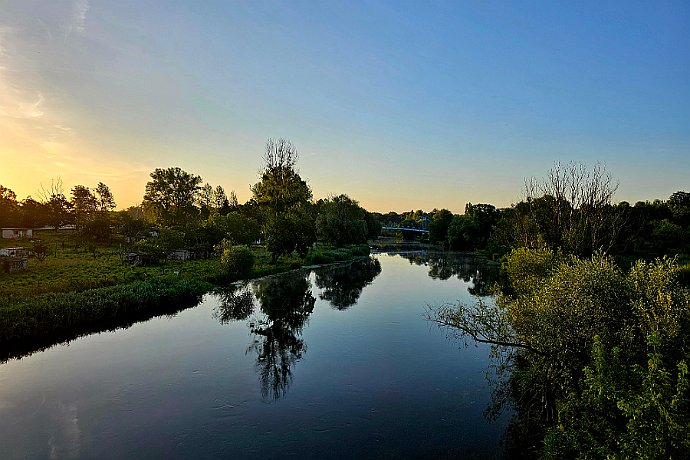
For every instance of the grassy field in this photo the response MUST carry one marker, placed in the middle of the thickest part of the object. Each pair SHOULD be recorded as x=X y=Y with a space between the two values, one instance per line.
x=80 y=288
x=73 y=267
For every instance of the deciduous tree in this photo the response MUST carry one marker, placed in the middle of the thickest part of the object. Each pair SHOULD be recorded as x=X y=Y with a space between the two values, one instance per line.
x=84 y=204
x=9 y=207
x=341 y=221
x=679 y=204
x=572 y=209
x=170 y=196
x=56 y=206
x=105 y=200
x=463 y=233
x=438 y=225
x=285 y=198
x=32 y=213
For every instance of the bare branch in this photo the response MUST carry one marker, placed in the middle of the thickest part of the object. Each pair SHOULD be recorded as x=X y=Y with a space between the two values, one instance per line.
x=56 y=189
x=575 y=206
x=482 y=323
x=280 y=154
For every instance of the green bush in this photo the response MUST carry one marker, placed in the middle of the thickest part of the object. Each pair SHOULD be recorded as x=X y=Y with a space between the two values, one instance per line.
x=238 y=259
x=527 y=268
x=609 y=349
x=330 y=254
x=151 y=251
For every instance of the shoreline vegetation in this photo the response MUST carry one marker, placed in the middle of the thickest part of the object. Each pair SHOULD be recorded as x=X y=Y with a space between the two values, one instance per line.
x=61 y=312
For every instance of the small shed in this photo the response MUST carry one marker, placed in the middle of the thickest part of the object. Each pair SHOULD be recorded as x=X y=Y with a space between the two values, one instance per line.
x=136 y=259
x=180 y=254
x=131 y=258
x=13 y=264
x=17 y=233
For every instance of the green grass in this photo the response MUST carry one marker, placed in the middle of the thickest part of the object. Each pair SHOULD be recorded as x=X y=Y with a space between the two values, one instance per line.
x=324 y=254
x=49 y=313
x=72 y=292
x=71 y=266
x=72 y=270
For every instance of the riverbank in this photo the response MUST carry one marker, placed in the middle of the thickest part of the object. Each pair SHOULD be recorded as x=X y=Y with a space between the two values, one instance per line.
x=71 y=308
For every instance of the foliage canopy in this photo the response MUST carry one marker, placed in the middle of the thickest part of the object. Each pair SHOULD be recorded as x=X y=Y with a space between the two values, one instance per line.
x=170 y=196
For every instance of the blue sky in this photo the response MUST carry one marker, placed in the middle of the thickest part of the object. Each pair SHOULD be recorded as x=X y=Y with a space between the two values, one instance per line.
x=401 y=105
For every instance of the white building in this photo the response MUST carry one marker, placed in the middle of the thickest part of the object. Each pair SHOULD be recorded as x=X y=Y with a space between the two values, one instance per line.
x=17 y=233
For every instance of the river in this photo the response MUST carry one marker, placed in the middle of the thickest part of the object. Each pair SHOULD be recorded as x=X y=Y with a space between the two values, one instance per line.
x=336 y=362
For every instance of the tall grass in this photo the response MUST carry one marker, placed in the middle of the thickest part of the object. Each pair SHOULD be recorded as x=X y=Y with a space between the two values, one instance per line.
x=322 y=254
x=72 y=313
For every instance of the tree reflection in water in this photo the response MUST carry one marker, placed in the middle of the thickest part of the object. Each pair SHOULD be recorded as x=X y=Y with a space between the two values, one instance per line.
x=236 y=303
x=342 y=285
x=480 y=271
x=286 y=301
x=522 y=434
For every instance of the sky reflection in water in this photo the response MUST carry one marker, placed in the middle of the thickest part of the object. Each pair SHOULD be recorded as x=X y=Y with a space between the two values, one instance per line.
x=337 y=363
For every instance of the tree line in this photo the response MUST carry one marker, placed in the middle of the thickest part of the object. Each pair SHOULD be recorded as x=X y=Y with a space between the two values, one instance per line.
x=53 y=208
x=281 y=213
x=571 y=209
x=187 y=213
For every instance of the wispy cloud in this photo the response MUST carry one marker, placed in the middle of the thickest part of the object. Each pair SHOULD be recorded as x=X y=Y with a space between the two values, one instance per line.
x=65 y=129
x=80 y=10
x=4 y=31
x=41 y=135
x=21 y=77
x=22 y=105
x=28 y=109
x=16 y=101
x=25 y=113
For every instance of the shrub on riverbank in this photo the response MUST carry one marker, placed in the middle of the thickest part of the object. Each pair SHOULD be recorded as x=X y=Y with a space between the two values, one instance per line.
x=238 y=260
x=329 y=254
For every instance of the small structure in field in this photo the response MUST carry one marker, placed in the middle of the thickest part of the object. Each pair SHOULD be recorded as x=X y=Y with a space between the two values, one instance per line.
x=14 y=259
x=17 y=233
x=131 y=258
x=136 y=259
x=9 y=264
x=20 y=252
x=180 y=254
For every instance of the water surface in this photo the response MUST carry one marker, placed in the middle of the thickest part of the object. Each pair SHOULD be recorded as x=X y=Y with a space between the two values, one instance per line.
x=333 y=363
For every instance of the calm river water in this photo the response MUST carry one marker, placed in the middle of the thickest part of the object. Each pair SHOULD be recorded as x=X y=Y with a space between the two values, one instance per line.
x=332 y=363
